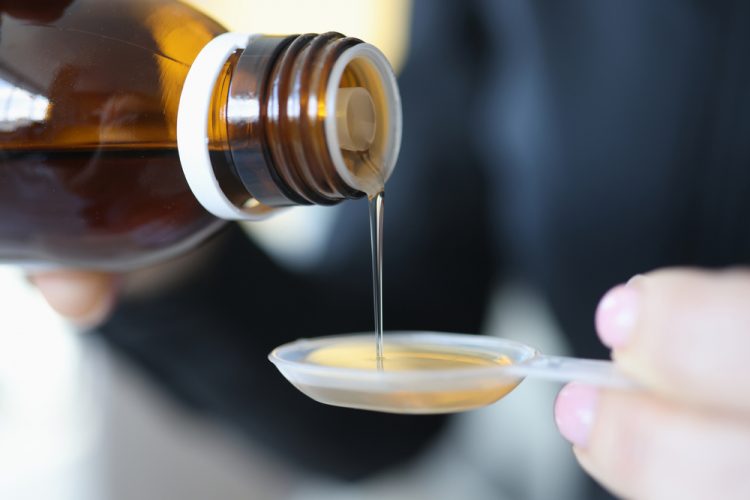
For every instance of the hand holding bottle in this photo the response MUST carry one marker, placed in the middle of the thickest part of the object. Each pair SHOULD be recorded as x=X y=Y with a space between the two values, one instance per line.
x=685 y=335
x=84 y=297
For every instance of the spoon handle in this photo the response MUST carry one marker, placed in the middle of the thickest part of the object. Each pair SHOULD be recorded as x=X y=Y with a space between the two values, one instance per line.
x=563 y=369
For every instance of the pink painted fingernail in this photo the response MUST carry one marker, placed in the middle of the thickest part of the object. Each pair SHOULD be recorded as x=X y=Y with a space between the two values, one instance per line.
x=575 y=409
x=616 y=315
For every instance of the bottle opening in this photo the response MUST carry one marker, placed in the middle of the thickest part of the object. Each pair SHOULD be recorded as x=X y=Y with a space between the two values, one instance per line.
x=363 y=118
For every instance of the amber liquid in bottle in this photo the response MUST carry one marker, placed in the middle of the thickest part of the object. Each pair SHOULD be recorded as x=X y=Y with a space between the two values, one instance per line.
x=89 y=171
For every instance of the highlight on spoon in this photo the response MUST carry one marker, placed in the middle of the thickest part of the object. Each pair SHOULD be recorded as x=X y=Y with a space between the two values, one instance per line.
x=423 y=372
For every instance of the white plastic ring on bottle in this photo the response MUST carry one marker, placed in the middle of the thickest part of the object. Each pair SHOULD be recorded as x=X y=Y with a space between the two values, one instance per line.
x=192 y=127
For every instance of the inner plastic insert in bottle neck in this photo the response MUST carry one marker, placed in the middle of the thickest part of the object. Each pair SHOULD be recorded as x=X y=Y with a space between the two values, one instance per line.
x=355 y=119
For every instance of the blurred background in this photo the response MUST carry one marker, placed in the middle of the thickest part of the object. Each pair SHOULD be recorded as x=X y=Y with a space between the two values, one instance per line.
x=78 y=423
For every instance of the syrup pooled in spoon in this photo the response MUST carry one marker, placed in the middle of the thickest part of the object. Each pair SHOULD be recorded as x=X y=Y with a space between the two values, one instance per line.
x=354 y=356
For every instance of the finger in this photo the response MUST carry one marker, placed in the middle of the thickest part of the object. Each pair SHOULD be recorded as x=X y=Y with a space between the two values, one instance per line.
x=684 y=333
x=84 y=297
x=641 y=447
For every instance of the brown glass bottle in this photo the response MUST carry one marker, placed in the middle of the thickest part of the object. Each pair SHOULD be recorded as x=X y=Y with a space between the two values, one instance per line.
x=90 y=173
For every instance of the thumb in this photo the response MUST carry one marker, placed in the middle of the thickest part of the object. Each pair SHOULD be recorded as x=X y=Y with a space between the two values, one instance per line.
x=684 y=333
x=84 y=297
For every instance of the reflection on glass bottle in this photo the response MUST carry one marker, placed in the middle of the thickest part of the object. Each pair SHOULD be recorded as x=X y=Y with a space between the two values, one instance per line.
x=89 y=173
x=20 y=107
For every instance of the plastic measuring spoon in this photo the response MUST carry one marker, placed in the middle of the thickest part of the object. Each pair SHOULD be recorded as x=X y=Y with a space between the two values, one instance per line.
x=426 y=372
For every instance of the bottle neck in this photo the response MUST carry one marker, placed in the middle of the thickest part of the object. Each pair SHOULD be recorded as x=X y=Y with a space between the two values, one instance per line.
x=298 y=120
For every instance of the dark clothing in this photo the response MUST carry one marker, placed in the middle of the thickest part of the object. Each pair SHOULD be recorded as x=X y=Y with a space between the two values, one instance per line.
x=569 y=144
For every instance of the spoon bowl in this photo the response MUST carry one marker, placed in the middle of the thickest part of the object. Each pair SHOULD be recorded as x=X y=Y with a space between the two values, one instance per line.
x=422 y=372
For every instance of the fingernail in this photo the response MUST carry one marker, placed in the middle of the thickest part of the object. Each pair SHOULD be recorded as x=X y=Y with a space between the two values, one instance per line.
x=616 y=315
x=575 y=409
